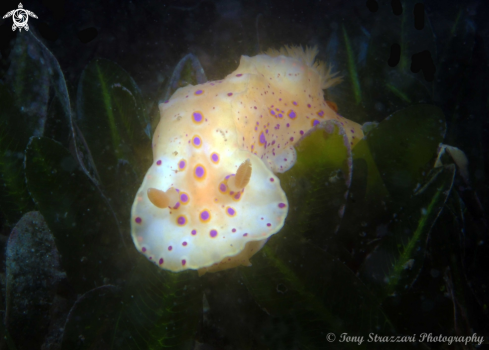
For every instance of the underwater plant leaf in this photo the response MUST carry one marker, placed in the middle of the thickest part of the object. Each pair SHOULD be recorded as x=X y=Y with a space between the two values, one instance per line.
x=395 y=264
x=346 y=52
x=36 y=82
x=292 y=278
x=160 y=309
x=404 y=147
x=316 y=293
x=317 y=184
x=84 y=227
x=32 y=277
x=14 y=198
x=390 y=84
x=187 y=71
x=91 y=321
x=28 y=81
x=232 y=317
x=112 y=123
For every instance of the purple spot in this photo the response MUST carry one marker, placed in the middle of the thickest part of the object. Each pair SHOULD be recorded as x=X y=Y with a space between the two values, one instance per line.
x=158 y=162
x=280 y=115
x=277 y=127
x=170 y=248
x=292 y=114
x=143 y=249
x=272 y=112
x=199 y=171
x=321 y=114
x=281 y=205
x=213 y=233
x=161 y=261
x=183 y=197
x=316 y=122
x=231 y=211
x=196 y=141
x=181 y=164
x=288 y=124
x=237 y=195
x=204 y=215
x=222 y=188
x=177 y=205
x=234 y=230
x=308 y=105
x=181 y=220
x=262 y=138
x=272 y=179
x=194 y=232
x=302 y=132
x=353 y=131
x=238 y=75
x=184 y=244
x=230 y=94
x=198 y=92
x=138 y=220
x=269 y=224
x=197 y=117
x=215 y=157
x=291 y=139
x=184 y=262
x=295 y=103
x=245 y=234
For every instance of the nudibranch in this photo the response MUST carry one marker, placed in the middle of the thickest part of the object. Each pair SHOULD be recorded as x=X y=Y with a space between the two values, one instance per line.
x=210 y=200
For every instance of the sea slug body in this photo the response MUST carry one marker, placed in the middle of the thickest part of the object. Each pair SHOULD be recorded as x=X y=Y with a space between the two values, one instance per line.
x=210 y=200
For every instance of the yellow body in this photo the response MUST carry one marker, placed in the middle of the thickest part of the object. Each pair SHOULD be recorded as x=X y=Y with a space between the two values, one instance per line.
x=205 y=133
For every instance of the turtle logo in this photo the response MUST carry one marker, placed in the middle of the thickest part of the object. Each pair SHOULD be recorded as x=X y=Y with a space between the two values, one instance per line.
x=20 y=17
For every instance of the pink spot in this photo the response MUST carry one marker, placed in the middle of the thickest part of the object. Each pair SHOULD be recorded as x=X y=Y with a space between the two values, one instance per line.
x=234 y=230
x=161 y=261
x=170 y=248
x=245 y=234
x=281 y=205
x=272 y=179
x=269 y=224
x=238 y=75
x=184 y=244
x=184 y=262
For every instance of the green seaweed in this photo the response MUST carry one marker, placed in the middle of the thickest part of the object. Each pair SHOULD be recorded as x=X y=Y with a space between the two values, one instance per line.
x=402 y=251
x=352 y=69
x=84 y=227
x=112 y=120
x=160 y=309
x=14 y=199
x=317 y=184
x=404 y=147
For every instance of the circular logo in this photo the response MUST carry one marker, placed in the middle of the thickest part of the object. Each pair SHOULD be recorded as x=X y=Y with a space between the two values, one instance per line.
x=20 y=17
